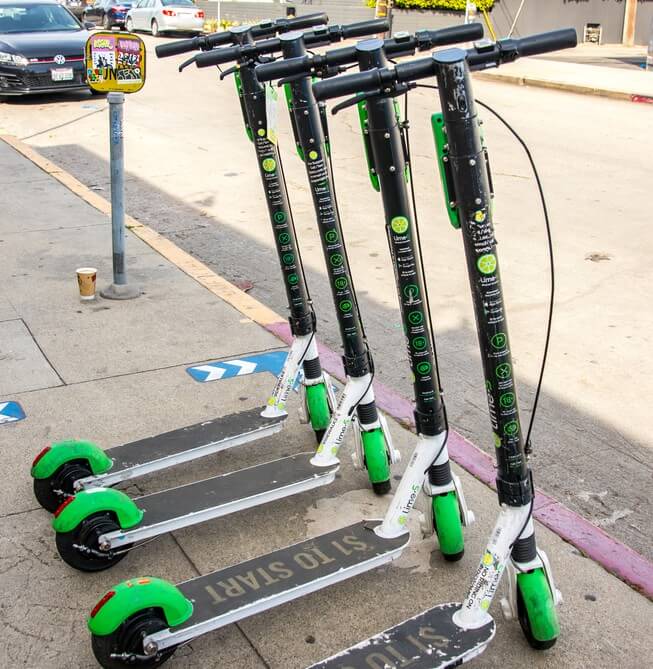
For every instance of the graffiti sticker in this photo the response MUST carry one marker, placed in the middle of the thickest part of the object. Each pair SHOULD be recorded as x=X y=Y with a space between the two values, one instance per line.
x=115 y=62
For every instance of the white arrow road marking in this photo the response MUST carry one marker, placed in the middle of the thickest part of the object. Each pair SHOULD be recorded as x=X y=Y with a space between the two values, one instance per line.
x=213 y=373
x=245 y=366
x=5 y=419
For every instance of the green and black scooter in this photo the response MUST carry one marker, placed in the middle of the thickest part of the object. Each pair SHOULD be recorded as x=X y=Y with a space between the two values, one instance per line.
x=97 y=528
x=142 y=621
x=450 y=634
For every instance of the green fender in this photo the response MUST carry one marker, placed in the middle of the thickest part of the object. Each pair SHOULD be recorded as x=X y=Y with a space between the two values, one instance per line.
x=97 y=500
x=62 y=452
x=130 y=597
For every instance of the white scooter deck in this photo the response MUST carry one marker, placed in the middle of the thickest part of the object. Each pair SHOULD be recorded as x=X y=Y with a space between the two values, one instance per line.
x=431 y=640
x=161 y=451
x=228 y=595
x=221 y=495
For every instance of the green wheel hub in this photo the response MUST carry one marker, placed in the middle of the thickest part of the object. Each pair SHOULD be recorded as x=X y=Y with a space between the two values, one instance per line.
x=536 y=608
x=319 y=412
x=448 y=525
x=376 y=460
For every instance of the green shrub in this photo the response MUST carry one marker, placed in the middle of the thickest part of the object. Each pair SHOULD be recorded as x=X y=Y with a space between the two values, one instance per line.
x=451 y=5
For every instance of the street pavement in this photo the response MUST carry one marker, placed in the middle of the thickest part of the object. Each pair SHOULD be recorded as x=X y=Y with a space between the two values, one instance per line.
x=192 y=177
x=117 y=372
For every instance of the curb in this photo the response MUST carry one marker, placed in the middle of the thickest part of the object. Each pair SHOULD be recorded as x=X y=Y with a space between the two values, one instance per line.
x=614 y=556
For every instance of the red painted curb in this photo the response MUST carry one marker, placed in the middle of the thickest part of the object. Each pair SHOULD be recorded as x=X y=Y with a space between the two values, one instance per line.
x=614 y=556
x=641 y=98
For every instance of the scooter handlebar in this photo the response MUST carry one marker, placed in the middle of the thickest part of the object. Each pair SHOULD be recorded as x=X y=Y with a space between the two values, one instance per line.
x=555 y=40
x=283 y=68
x=364 y=28
x=429 y=39
x=301 y=22
x=349 y=84
x=225 y=54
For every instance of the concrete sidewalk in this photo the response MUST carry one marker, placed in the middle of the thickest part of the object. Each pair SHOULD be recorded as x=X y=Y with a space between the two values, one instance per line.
x=587 y=69
x=114 y=372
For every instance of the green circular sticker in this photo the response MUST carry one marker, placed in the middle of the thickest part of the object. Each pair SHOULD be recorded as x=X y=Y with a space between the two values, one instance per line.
x=269 y=164
x=336 y=260
x=312 y=155
x=331 y=236
x=345 y=305
x=511 y=428
x=279 y=217
x=288 y=258
x=419 y=343
x=340 y=283
x=424 y=367
x=293 y=279
x=399 y=224
x=487 y=264
x=261 y=132
x=284 y=238
x=415 y=317
x=503 y=370
x=499 y=340
x=411 y=291
x=507 y=400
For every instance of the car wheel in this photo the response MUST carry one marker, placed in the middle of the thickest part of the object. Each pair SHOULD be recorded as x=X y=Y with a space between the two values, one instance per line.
x=106 y=23
x=155 y=28
x=129 y=24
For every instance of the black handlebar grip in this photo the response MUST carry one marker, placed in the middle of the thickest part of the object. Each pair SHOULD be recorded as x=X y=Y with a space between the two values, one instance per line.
x=420 y=68
x=452 y=35
x=364 y=28
x=283 y=68
x=225 y=54
x=360 y=82
x=301 y=22
x=546 y=42
x=177 y=47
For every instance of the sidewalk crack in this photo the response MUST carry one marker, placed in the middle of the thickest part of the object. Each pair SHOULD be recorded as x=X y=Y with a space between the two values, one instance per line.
x=43 y=353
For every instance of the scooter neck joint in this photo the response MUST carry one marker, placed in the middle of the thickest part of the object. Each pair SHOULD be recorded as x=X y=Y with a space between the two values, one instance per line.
x=430 y=423
x=357 y=365
x=515 y=493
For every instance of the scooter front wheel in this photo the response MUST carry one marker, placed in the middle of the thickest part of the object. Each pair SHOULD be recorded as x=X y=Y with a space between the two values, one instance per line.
x=50 y=492
x=448 y=526
x=124 y=647
x=80 y=547
x=536 y=609
x=319 y=412
x=376 y=460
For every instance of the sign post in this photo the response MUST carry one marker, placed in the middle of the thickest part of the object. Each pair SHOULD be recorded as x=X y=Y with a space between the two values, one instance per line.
x=115 y=64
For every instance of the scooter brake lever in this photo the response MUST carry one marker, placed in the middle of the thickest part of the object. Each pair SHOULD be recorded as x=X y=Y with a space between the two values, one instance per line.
x=228 y=71
x=354 y=101
x=289 y=80
x=186 y=63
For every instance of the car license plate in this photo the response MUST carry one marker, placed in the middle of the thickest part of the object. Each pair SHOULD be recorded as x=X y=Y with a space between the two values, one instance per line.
x=62 y=74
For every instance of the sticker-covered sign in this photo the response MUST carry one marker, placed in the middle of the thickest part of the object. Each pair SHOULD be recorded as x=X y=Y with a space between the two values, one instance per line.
x=115 y=62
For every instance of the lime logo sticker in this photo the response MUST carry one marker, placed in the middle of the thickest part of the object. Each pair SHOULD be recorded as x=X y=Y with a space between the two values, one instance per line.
x=269 y=164
x=402 y=520
x=312 y=155
x=340 y=283
x=331 y=236
x=345 y=305
x=415 y=317
x=503 y=371
x=485 y=604
x=511 y=428
x=336 y=260
x=507 y=400
x=399 y=224
x=284 y=237
x=279 y=217
x=499 y=340
x=419 y=343
x=288 y=258
x=411 y=291
x=261 y=132
x=479 y=216
x=487 y=264
x=293 y=279
x=424 y=367
x=497 y=440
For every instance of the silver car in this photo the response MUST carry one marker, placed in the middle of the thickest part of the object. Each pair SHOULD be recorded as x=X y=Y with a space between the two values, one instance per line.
x=160 y=16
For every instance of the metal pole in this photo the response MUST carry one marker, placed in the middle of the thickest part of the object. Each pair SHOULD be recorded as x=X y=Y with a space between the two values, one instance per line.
x=118 y=290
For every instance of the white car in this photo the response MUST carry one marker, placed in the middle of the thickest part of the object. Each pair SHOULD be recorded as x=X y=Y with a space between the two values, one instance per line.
x=160 y=16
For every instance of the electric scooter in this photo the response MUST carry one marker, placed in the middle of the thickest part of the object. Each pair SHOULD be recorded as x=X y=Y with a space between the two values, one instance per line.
x=142 y=621
x=390 y=172
x=97 y=527
x=66 y=467
x=451 y=634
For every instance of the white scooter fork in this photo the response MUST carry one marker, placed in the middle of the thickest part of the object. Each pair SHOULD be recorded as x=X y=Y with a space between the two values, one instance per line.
x=303 y=347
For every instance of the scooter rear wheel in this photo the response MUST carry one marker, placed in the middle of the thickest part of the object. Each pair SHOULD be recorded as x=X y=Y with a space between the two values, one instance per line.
x=62 y=480
x=124 y=647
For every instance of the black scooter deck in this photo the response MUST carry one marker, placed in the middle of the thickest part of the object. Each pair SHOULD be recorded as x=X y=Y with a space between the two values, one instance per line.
x=186 y=439
x=239 y=489
x=430 y=640
x=256 y=585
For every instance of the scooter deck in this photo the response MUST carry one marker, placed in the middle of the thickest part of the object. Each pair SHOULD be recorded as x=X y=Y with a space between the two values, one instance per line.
x=187 y=443
x=430 y=640
x=218 y=496
x=242 y=590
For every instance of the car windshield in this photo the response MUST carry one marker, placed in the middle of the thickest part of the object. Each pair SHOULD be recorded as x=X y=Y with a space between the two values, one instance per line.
x=178 y=3
x=36 y=18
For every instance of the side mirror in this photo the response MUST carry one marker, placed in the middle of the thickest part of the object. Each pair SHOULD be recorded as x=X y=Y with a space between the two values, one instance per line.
x=88 y=25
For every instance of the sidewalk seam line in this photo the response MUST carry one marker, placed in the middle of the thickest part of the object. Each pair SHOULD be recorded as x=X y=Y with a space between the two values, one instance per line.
x=613 y=555
x=52 y=367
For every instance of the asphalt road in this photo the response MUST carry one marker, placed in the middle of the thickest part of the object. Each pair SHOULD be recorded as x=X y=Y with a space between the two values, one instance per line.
x=192 y=177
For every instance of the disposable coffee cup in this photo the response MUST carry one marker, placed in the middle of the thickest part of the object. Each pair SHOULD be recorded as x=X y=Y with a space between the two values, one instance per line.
x=86 y=277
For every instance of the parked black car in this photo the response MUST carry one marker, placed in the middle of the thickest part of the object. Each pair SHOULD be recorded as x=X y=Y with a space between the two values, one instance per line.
x=107 y=13
x=41 y=48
